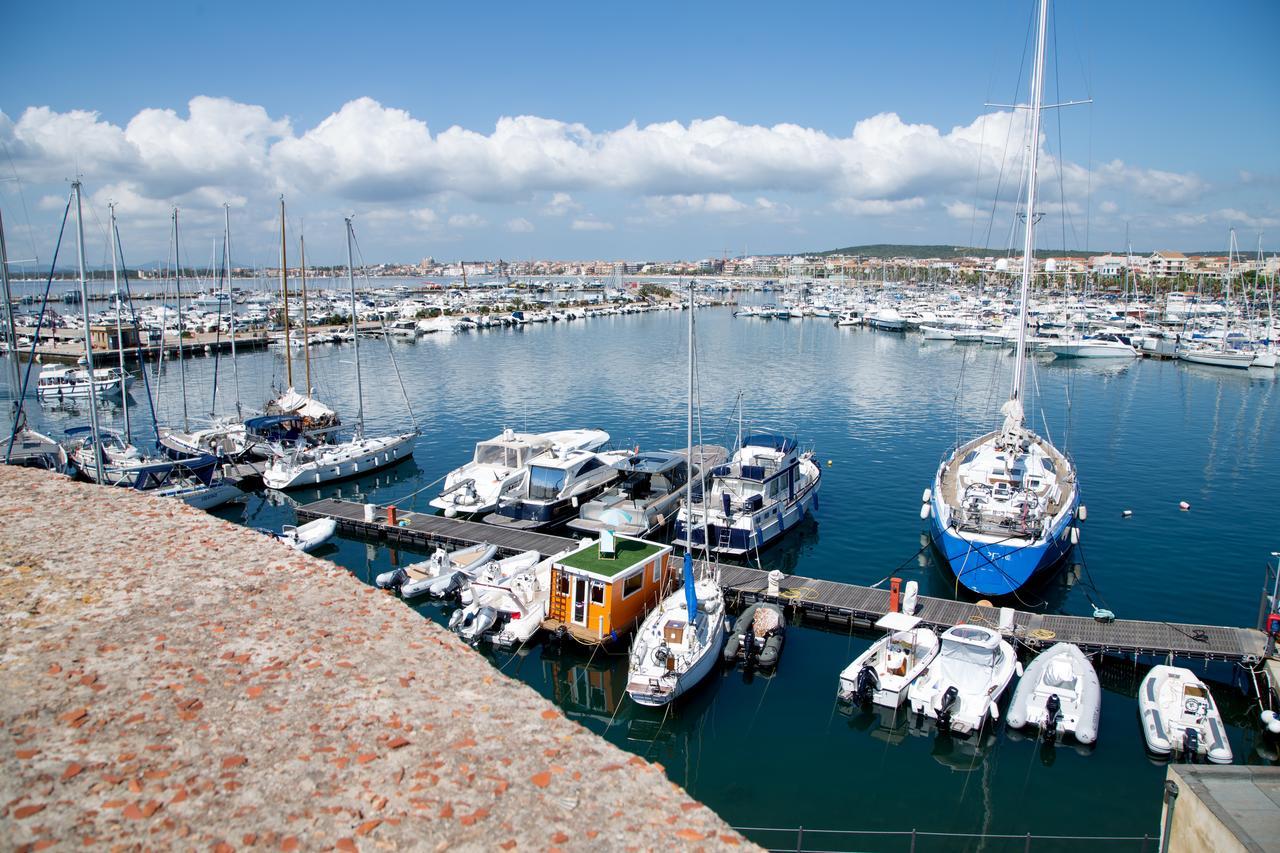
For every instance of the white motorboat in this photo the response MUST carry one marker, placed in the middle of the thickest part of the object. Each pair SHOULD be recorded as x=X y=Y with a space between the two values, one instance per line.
x=499 y=464
x=766 y=489
x=1179 y=716
x=647 y=493
x=70 y=383
x=962 y=687
x=887 y=319
x=505 y=602
x=553 y=486
x=309 y=536
x=933 y=333
x=440 y=575
x=1058 y=693
x=882 y=674
x=1093 y=346
x=678 y=643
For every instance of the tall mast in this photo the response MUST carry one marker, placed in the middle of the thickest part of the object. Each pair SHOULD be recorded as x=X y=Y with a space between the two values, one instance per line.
x=115 y=281
x=284 y=290
x=355 y=335
x=95 y=433
x=1029 y=232
x=306 y=348
x=177 y=272
x=689 y=436
x=231 y=297
x=11 y=335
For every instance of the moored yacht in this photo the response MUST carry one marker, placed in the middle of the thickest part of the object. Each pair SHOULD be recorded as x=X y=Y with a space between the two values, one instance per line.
x=678 y=643
x=648 y=491
x=68 y=383
x=1104 y=345
x=553 y=486
x=961 y=687
x=499 y=464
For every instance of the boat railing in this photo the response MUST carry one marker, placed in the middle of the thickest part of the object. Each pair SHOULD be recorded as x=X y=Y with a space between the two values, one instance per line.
x=804 y=838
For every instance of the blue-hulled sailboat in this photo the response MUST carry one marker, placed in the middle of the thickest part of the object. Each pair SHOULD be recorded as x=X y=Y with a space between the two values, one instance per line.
x=1003 y=506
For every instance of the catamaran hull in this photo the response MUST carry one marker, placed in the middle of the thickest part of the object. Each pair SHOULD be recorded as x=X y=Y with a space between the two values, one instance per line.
x=996 y=569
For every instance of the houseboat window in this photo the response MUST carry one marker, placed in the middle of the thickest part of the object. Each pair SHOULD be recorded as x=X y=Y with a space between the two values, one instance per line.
x=562 y=584
x=597 y=593
x=545 y=482
x=657 y=571
x=632 y=584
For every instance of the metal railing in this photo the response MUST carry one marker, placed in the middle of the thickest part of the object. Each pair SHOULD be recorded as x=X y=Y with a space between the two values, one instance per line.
x=804 y=840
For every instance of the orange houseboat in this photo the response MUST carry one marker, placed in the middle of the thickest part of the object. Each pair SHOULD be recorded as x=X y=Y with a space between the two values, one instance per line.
x=601 y=590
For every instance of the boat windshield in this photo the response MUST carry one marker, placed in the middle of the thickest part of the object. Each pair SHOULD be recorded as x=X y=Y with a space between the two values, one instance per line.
x=962 y=654
x=545 y=482
x=496 y=454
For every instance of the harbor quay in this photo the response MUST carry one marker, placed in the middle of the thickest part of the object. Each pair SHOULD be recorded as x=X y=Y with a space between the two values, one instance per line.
x=177 y=681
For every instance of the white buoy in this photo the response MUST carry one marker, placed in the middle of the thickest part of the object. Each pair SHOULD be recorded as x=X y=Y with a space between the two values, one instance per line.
x=1127 y=513
x=1184 y=506
x=1268 y=716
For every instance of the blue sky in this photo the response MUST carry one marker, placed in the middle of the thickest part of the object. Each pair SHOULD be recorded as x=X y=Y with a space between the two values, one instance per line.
x=348 y=109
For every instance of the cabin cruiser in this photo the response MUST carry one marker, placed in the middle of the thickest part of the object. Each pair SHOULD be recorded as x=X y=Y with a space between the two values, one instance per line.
x=887 y=319
x=766 y=489
x=505 y=602
x=65 y=383
x=678 y=643
x=440 y=575
x=553 y=486
x=1058 y=693
x=1179 y=716
x=648 y=491
x=1103 y=345
x=962 y=686
x=499 y=465
x=882 y=674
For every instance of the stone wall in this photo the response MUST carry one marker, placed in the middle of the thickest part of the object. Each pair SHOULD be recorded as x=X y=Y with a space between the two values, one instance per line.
x=172 y=680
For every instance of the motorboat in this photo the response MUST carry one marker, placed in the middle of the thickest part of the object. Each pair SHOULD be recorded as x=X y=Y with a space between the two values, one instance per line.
x=499 y=464
x=766 y=489
x=440 y=575
x=553 y=486
x=1058 y=693
x=933 y=333
x=307 y=537
x=887 y=320
x=1103 y=345
x=961 y=688
x=60 y=382
x=505 y=602
x=757 y=636
x=678 y=643
x=1179 y=716
x=882 y=674
x=648 y=491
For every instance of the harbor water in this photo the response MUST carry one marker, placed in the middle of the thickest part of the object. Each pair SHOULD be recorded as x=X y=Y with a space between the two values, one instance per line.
x=880 y=410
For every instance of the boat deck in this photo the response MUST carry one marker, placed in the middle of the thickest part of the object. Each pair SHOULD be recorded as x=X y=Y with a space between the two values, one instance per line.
x=415 y=528
x=861 y=606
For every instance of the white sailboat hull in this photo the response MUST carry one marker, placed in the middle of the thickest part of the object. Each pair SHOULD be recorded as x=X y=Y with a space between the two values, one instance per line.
x=339 y=462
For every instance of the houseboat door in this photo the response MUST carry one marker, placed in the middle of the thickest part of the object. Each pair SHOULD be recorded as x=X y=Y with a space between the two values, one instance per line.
x=580 y=601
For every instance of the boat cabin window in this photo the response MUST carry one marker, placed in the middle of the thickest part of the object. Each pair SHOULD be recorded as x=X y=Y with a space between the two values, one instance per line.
x=496 y=454
x=590 y=465
x=545 y=482
x=597 y=593
x=632 y=584
x=562 y=584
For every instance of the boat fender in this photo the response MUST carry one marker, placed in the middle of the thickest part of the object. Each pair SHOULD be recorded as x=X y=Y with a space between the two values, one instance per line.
x=925 y=511
x=928 y=493
x=1083 y=513
x=1017 y=668
x=1075 y=536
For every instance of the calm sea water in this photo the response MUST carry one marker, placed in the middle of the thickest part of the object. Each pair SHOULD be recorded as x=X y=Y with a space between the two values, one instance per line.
x=883 y=409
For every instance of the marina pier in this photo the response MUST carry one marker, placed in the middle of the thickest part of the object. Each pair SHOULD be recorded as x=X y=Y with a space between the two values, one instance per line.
x=833 y=603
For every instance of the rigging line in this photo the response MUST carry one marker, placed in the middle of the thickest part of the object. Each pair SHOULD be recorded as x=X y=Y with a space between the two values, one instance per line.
x=35 y=338
x=22 y=197
x=1057 y=88
x=1004 y=156
x=355 y=325
x=133 y=316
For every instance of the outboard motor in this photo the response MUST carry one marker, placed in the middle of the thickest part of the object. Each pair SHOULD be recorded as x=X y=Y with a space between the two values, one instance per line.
x=1192 y=744
x=446 y=586
x=485 y=618
x=749 y=650
x=397 y=579
x=1053 y=713
x=458 y=619
x=868 y=684
x=949 y=700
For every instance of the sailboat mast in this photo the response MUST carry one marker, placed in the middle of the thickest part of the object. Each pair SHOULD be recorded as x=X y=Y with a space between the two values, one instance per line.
x=1029 y=232
x=689 y=435
x=355 y=335
x=11 y=334
x=96 y=434
x=284 y=290
x=231 y=298
x=306 y=348
x=115 y=281
x=177 y=273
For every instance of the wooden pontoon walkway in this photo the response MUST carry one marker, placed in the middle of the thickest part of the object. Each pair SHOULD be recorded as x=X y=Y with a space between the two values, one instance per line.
x=423 y=530
x=832 y=603
x=861 y=606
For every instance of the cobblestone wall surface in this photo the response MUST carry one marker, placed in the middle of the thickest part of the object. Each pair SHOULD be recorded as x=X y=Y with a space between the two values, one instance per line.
x=171 y=680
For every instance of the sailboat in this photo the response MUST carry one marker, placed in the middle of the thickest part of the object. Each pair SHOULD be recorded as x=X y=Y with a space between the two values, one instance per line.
x=679 y=642
x=360 y=454
x=1003 y=505
x=1222 y=353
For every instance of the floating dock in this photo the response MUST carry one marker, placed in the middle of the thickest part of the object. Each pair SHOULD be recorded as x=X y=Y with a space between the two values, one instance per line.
x=832 y=603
